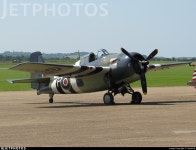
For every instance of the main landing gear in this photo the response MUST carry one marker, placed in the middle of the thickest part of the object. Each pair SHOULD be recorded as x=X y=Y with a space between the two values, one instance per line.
x=51 y=98
x=108 y=97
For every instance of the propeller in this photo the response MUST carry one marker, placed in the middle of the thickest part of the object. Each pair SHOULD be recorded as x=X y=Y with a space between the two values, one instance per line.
x=152 y=54
x=140 y=66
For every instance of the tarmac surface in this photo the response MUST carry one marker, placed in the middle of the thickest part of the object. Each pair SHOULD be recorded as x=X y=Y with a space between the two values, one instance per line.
x=166 y=118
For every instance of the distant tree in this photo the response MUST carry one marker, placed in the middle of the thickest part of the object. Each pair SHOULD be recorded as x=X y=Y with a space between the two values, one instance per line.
x=173 y=59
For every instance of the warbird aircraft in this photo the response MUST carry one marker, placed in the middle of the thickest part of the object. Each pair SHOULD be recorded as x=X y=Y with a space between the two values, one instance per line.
x=193 y=81
x=92 y=73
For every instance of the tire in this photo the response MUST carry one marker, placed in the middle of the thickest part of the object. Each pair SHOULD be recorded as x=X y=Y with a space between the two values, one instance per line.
x=136 y=98
x=51 y=100
x=108 y=99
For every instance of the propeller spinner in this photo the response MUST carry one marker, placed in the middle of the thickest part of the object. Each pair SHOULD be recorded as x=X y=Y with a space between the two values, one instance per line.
x=142 y=65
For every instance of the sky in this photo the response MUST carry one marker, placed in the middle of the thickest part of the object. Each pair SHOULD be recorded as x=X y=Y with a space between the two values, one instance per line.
x=65 y=26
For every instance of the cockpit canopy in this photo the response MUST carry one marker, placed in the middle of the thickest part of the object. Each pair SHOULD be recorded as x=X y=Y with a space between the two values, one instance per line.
x=102 y=52
x=92 y=57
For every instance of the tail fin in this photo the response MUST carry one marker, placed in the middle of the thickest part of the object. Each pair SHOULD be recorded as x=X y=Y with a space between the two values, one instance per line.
x=36 y=57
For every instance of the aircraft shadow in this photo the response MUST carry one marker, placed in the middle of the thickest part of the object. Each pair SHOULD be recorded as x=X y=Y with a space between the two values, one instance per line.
x=80 y=104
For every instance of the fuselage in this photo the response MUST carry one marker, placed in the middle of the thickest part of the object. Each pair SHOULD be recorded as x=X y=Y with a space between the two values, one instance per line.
x=120 y=72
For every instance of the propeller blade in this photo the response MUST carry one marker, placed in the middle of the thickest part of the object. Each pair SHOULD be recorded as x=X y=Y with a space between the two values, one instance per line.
x=143 y=83
x=127 y=53
x=152 y=54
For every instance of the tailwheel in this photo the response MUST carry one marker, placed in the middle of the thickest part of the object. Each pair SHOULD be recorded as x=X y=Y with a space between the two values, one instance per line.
x=51 y=98
x=108 y=99
x=136 y=98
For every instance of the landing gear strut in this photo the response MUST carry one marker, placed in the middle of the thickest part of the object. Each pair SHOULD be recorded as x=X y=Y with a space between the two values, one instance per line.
x=136 y=96
x=108 y=97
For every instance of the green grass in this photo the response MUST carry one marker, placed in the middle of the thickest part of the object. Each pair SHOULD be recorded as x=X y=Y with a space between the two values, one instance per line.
x=178 y=76
x=6 y=74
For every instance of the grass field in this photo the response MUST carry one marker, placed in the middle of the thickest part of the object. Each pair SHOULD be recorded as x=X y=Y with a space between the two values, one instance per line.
x=6 y=74
x=178 y=76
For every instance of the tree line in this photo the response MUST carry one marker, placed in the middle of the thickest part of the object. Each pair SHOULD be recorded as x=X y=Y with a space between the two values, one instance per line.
x=18 y=57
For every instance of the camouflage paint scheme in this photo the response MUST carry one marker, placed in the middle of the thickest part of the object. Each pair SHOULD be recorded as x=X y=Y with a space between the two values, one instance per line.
x=92 y=73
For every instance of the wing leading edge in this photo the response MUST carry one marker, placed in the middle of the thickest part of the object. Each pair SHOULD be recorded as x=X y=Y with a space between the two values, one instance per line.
x=154 y=67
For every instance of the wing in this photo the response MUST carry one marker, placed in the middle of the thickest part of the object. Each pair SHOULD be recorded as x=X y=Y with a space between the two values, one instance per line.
x=154 y=67
x=60 y=70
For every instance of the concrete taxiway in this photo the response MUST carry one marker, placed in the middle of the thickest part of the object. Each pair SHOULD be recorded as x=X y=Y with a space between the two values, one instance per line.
x=166 y=117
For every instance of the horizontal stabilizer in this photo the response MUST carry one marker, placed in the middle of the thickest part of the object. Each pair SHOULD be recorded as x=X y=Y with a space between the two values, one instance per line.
x=30 y=80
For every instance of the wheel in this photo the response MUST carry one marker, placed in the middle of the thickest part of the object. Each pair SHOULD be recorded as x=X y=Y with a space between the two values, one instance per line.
x=108 y=99
x=51 y=95
x=136 y=98
x=51 y=100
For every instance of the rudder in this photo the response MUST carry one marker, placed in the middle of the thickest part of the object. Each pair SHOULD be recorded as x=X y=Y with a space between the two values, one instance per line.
x=36 y=57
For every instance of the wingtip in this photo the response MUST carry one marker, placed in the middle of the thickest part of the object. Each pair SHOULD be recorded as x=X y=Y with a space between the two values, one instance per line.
x=10 y=81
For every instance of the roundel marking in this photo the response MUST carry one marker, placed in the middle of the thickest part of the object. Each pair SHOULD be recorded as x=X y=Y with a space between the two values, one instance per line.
x=65 y=82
